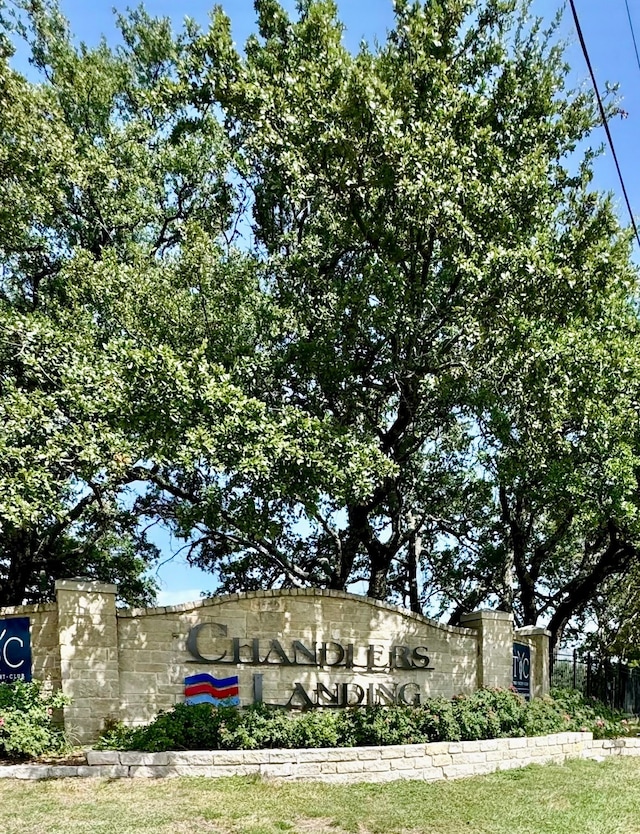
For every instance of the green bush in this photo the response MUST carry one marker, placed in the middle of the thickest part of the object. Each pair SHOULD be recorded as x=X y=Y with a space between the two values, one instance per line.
x=378 y=725
x=27 y=727
x=437 y=720
x=487 y=713
x=589 y=713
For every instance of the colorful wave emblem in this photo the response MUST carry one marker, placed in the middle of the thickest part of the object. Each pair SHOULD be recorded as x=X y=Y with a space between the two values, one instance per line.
x=205 y=689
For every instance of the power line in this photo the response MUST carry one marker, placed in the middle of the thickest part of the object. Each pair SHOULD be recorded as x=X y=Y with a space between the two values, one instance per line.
x=603 y=116
x=633 y=34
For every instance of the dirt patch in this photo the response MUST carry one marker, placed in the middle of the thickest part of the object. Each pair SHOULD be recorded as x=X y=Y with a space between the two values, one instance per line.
x=71 y=759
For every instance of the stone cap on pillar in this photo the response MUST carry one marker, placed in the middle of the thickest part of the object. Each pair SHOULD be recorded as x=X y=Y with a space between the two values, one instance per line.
x=85 y=585
x=486 y=614
x=533 y=631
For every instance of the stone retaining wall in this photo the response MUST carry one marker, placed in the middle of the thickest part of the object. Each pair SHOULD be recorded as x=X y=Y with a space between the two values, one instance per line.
x=423 y=762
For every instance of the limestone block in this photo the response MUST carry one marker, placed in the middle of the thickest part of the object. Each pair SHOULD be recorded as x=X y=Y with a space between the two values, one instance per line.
x=435 y=748
x=25 y=772
x=248 y=756
x=135 y=758
x=148 y=772
x=217 y=772
x=236 y=757
x=475 y=758
x=104 y=757
x=442 y=759
x=413 y=750
x=612 y=742
x=406 y=763
x=378 y=766
x=282 y=756
x=517 y=743
x=489 y=745
x=508 y=764
x=393 y=751
x=311 y=754
x=368 y=753
x=484 y=768
x=350 y=767
x=103 y=772
x=191 y=757
x=457 y=771
x=340 y=754
x=276 y=771
x=307 y=771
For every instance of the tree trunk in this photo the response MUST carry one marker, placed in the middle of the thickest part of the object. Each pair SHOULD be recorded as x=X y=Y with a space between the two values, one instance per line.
x=413 y=556
x=378 y=582
x=577 y=593
x=19 y=573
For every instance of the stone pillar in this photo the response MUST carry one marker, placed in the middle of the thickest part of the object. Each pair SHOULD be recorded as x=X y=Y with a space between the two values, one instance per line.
x=538 y=639
x=495 y=646
x=88 y=637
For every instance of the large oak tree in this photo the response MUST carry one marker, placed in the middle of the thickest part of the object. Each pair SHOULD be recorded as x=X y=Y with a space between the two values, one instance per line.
x=336 y=317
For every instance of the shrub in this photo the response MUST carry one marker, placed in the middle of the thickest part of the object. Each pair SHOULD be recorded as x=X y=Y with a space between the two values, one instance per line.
x=27 y=727
x=542 y=717
x=588 y=713
x=487 y=713
x=116 y=736
x=437 y=720
x=187 y=727
x=490 y=713
x=361 y=727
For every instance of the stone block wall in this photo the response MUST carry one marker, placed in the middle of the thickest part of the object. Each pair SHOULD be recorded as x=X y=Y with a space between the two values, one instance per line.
x=89 y=656
x=154 y=658
x=495 y=646
x=296 y=648
x=425 y=762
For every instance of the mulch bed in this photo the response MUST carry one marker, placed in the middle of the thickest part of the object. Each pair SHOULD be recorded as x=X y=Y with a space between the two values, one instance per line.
x=71 y=759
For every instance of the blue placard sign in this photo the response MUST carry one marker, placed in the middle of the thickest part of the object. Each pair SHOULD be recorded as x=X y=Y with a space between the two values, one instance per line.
x=15 y=650
x=522 y=669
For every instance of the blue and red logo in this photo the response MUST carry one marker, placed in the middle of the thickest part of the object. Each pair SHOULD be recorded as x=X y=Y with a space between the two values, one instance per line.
x=205 y=689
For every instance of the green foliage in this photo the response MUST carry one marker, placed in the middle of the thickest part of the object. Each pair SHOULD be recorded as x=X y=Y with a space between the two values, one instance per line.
x=583 y=712
x=613 y=615
x=488 y=713
x=27 y=722
x=329 y=317
x=379 y=725
x=438 y=265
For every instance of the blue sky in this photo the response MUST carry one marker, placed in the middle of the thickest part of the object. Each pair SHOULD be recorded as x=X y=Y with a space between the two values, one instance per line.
x=608 y=36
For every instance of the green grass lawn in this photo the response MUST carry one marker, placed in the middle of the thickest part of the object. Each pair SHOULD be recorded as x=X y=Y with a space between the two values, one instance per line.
x=575 y=798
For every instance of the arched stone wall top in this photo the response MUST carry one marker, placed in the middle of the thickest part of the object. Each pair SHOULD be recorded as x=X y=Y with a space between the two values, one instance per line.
x=24 y=610
x=212 y=602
